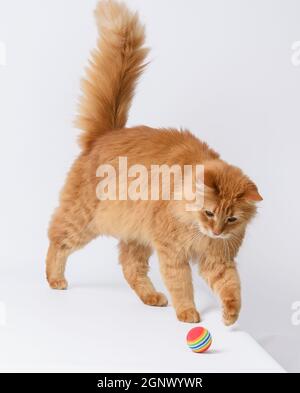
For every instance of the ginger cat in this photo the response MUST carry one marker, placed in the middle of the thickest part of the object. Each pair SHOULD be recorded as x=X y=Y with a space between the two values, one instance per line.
x=211 y=236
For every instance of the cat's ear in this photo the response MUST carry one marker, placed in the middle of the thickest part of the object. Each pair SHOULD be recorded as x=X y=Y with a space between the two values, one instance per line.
x=210 y=178
x=251 y=194
x=211 y=175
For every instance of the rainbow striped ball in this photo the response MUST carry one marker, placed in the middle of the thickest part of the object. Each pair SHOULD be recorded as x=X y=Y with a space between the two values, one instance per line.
x=199 y=339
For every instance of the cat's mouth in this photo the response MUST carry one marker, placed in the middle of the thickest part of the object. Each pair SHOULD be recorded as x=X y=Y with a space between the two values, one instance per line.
x=221 y=236
x=209 y=233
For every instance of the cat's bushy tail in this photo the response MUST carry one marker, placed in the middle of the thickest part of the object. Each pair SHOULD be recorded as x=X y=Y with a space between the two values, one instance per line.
x=115 y=66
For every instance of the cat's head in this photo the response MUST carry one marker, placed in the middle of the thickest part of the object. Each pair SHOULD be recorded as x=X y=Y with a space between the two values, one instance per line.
x=229 y=200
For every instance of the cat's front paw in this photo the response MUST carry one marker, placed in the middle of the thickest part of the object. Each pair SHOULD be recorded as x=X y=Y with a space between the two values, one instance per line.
x=190 y=315
x=229 y=319
x=231 y=310
x=61 y=283
x=156 y=299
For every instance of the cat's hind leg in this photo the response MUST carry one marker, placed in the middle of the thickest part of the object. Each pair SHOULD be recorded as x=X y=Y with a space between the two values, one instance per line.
x=69 y=231
x=134 y=259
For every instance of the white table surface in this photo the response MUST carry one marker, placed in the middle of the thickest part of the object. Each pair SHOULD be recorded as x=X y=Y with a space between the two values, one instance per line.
x=105 y=328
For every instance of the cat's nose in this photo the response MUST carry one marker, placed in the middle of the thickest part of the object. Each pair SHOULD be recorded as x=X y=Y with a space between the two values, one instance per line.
x=217 y=232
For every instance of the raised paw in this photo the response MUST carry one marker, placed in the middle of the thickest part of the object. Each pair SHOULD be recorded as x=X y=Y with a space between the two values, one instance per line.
x=231 y=310
x=156 y=299
x=190 y=315
x=58 y=283
x=230 y=319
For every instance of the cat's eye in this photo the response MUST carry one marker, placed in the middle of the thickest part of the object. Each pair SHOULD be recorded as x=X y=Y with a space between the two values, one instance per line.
x=209 y=213
x=231 y=219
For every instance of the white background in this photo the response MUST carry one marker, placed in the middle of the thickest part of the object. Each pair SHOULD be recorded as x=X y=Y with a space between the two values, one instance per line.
x=222 y=69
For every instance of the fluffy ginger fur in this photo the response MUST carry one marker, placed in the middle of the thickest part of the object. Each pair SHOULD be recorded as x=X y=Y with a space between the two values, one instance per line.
x=211 y=236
